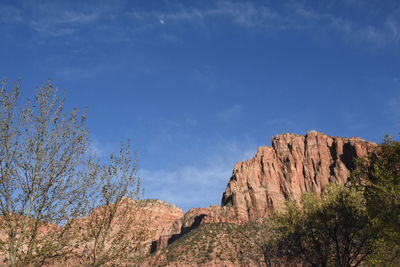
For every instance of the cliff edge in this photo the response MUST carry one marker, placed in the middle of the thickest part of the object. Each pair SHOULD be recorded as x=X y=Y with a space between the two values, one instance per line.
x=293 y=165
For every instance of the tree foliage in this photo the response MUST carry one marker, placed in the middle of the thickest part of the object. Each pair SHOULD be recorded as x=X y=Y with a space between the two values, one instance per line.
x=48 y=177
x=111 y=232
x=378 y=176
x=332 y=231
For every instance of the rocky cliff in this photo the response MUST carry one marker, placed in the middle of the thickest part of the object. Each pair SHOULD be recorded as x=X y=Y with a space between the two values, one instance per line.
x=293 y=165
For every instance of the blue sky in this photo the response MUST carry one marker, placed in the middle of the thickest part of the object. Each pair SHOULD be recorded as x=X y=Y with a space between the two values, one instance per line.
x=199 y=85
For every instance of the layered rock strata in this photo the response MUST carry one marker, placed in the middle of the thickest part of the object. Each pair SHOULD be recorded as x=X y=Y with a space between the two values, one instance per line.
x=191 y=220
x=293 y=165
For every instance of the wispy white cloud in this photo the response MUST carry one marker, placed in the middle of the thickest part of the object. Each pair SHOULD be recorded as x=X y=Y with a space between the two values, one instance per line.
x=189 y=185
x=280 y=122
x=243 y=13
x=96 y=149
x=394 y=101
x=196 y=185
x=64 y=23
x=386 y=32
x=52 y=17
x=168 y=132
x=103 y=149
x=55 y=19
x=190 y=170
x=77 y=73
x=205 y=77
x=229 y=113
x=10 y=14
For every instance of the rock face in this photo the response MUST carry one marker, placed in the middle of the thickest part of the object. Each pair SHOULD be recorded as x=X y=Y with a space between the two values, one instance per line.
x=148 y=218
x=293 y=165
x=159 y=216
x=191 y=220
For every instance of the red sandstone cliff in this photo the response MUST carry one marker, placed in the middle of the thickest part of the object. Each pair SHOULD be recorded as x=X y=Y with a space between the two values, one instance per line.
x=293 y=165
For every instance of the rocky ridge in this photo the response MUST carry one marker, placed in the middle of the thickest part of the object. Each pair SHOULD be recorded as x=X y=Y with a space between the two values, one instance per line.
x=292 y=165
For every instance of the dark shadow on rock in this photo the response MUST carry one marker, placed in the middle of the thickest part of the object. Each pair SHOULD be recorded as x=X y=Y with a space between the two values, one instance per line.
x=227 y=201
x=153 y=247
x=333 y=151
x=348 y=156
x=184 y=230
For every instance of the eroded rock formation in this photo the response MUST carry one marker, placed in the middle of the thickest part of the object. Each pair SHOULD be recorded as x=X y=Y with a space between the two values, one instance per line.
x=293 y=165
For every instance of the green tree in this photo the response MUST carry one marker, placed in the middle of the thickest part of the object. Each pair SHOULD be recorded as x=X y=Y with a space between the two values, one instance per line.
x=332 y=231
x=48 y=176
x=111 y=232
x=378 y=176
